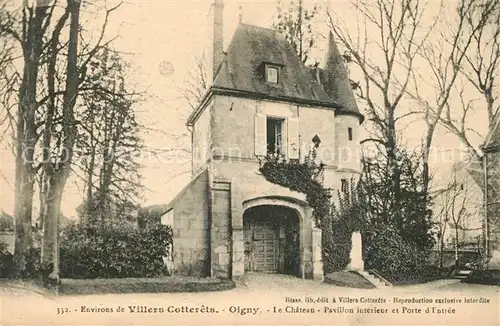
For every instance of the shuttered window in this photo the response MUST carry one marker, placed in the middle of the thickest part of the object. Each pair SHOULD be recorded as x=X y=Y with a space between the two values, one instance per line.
x=260 y=135
x=276 y=136
x=293 y=138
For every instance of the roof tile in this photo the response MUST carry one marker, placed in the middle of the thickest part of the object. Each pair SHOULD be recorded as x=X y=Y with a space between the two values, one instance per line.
x=242 y=70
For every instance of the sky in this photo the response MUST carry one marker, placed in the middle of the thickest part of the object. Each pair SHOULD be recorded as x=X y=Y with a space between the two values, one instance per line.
x=161 y=39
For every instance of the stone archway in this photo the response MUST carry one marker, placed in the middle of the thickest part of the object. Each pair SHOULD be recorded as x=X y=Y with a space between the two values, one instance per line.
x=310 y=264
x=272 y=240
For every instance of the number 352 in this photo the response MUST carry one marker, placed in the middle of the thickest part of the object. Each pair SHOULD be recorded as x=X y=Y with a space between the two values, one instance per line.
x=61 y=311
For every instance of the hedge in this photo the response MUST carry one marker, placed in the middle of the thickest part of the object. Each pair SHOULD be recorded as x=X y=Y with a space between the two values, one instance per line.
x=114 y=251
x=394 y=257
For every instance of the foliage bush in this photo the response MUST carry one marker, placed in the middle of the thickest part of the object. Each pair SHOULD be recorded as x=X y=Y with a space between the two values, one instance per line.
x=393 y=256
x=337 y=221
x=396 y=225
x=114 y=250
x=33 y=262
x=6 y=261
x=395 y=197
x=306 y=177
x=398 y=235
x=345 y=218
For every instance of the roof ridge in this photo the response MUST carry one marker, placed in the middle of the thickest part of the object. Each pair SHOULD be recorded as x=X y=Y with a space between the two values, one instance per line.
x=242 y=70
x=257 y=26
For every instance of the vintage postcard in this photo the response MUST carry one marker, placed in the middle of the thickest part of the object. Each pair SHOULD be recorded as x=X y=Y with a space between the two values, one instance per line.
x=230 y=162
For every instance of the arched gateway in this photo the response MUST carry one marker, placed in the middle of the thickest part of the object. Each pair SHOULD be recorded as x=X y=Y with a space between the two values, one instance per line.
x=263 y=101
x=272 y=242
x=279 y=237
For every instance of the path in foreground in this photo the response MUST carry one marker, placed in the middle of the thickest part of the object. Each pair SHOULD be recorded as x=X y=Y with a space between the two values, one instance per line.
x=264 y=300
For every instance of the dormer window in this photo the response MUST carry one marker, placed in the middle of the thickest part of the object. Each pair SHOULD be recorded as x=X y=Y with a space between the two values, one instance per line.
x=272 y=74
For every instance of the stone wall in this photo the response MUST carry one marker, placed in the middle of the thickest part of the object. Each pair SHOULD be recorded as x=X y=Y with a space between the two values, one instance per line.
x=201 y=145
x=347 y=151
x=233 y=127
x=220 y=233
x=191 y=228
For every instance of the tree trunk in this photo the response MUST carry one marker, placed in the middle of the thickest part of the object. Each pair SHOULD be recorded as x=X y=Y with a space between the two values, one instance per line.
x=26 y=139
x=50 y=248
x=427 y=147
x=88 y=214
x=43 y=192
x=441 y=249
x=23 y=215
x=62 y=169
x=457 y=262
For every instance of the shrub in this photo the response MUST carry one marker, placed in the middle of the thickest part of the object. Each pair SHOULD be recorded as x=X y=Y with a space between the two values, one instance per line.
x=111 y=250
x=33 y=264
x=6 y=261
x=388 y=253
x=345 y=218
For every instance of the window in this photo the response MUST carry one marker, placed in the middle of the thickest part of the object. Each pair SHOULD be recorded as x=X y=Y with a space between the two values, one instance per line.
x=274 y=136
x=277 y=135
x=272 y=73
x=349 y=133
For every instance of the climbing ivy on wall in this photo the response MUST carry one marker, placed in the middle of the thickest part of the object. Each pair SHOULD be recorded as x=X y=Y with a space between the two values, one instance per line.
x=337 y=221
x=346 y=217
x=306 y=177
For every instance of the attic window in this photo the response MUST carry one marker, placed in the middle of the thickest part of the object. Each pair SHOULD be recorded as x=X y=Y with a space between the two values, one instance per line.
x=272 y=74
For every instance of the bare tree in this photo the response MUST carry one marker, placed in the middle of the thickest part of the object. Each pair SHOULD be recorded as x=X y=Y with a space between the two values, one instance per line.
x=459 y=211
x=483 y=57
x=394 y=32
x=109 y=143
x=27 y=27
x=295 y=22
x=197 y=82
x=461 y=53
x=47 y=34
x=468 y=56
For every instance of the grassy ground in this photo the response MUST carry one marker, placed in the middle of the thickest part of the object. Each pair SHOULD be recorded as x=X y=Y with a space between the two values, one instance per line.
x=487 y=277
x=31 y=286
x=428 y=275
x=143 y=285
x=123 y=285
x=348 y=279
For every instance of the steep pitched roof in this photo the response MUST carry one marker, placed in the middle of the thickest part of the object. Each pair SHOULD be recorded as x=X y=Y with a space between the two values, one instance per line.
x=491 y=144
x=493 y=138
x=252 y=46
x=476 y=170
x=336 y=79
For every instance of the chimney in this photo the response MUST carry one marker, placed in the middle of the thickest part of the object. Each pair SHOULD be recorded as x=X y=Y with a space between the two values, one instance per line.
x=218 y=41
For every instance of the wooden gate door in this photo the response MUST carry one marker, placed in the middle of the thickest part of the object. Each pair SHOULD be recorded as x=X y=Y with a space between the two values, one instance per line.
x=265 y=249
x=247 y=232
x=261 y=247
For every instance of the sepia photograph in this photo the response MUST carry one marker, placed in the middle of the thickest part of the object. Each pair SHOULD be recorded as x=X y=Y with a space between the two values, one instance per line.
x=250 y=162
